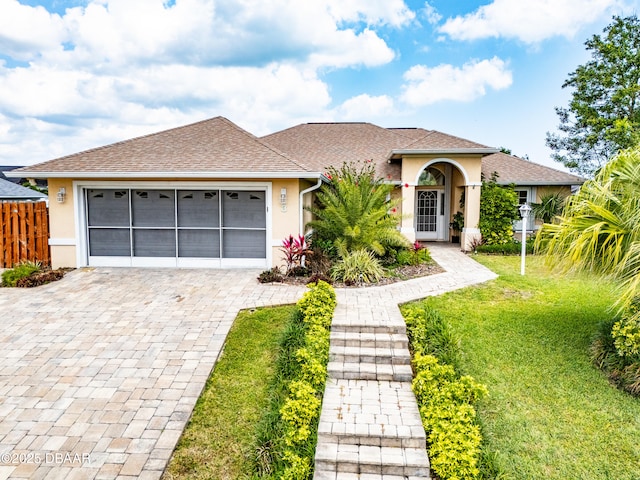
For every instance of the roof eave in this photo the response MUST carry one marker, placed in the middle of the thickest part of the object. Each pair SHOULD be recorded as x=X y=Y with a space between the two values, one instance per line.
x=195 y=175
x=538 y=183
x=444 y=151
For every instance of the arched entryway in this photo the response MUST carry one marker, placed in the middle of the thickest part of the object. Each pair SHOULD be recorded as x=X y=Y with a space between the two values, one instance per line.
x=439 y=192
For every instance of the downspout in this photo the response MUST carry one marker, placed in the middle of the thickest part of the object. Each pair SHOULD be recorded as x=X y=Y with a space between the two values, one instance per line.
x=302 y=194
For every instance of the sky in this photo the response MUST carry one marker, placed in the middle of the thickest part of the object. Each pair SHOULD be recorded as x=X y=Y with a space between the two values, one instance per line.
x=78 y=74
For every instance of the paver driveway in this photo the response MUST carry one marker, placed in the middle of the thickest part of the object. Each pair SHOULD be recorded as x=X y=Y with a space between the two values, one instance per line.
x=100 y=371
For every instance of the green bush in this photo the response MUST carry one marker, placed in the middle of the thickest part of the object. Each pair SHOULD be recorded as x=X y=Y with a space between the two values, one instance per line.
x=270 y=276
x=510 y=248
x=622 y=370
x=429 y=334
x=626 y=331
x=498 y=211
x=444 y=398
x=449 y=419
x=23 y=270
x=359 y=266
x=300 y=411
x=413 y=256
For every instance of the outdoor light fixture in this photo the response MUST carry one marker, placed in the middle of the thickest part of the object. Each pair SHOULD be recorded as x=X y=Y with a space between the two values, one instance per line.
x=524 y=213
x=283 y=199
x=61 y=195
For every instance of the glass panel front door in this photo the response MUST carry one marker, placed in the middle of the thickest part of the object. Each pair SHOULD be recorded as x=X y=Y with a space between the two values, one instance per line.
x=427 y=209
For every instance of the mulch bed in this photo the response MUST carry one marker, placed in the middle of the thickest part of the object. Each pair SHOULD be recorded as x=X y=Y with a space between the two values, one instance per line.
x=41 y=278
x=398 y=275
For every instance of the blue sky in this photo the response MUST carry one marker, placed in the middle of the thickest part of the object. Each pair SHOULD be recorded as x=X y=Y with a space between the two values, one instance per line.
x=77 y=74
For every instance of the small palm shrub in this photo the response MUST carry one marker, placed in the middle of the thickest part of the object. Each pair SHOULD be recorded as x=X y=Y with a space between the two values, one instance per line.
x=550 y=207
x=354 y=213
x=11 y=277
x=359 y=266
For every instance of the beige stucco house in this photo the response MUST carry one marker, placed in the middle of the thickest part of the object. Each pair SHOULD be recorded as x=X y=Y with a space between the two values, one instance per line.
x=211 y=194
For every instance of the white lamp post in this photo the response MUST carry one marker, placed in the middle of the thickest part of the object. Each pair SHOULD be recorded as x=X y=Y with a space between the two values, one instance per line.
x=524 y=213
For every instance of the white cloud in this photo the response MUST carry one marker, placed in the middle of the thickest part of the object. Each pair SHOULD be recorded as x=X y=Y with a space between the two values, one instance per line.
x=112 y=69
x=365 y=106
x=426 y=85
x=27 y=31
x=431 y=14
x=530 y=21
x=373 y=12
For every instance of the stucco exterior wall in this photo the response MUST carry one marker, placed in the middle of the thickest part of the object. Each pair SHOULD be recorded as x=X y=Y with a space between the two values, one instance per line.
x=62 y=231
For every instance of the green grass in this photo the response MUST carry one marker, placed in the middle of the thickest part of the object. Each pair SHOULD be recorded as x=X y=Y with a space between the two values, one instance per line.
x=549 y=414
x=219 y=440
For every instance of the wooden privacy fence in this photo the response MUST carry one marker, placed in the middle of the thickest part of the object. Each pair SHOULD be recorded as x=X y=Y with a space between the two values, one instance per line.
x=24 y=233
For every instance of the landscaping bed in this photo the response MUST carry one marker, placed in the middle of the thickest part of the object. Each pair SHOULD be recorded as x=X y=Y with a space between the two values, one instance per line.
x=30 y=274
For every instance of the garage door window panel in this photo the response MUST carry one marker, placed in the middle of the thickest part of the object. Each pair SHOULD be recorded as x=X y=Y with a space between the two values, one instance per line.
x=154 y=243
x=199 y=243
x=243 y=209
x=244 y=244
x=198 y=208
x=153 y=208
x=109 y=242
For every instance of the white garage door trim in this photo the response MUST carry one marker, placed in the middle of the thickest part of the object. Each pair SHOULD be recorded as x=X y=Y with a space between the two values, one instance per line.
x=81 y=226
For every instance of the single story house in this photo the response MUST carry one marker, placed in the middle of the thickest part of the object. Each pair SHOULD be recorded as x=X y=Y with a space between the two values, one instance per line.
x=211 y=194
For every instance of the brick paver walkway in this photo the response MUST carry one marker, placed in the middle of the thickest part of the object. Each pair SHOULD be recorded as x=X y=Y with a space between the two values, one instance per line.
x=370 y=427
x=100 y=371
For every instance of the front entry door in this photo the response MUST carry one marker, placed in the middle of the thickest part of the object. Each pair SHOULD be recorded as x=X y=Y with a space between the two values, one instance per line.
x=429 y=215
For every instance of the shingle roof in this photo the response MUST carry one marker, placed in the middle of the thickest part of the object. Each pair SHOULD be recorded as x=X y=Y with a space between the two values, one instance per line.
x=320 y=145
x=434 y=140
x=218 y=148
x=215 y=146
x=524 y=172
x=11 y=191
x=323 y=144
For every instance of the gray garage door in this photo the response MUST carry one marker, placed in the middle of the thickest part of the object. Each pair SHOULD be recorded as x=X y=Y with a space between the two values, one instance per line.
x=182 y=227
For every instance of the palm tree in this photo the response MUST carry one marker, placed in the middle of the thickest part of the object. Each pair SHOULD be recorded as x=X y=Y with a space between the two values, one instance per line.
x=550 y=206
x=354 y=212
x=599 y=229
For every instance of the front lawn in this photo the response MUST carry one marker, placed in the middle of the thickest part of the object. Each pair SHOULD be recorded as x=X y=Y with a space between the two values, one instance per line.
x=549 y=413
x=219 y=440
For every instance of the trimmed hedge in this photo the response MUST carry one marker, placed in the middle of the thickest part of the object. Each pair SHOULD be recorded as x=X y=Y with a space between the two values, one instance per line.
x=301 y=410
x=444 y=397
x=509 y=248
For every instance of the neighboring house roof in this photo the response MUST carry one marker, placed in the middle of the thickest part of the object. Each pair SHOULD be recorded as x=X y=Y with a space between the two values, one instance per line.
x=214 y=147
x=18 y=180
x=11 y=191
x=523 y=172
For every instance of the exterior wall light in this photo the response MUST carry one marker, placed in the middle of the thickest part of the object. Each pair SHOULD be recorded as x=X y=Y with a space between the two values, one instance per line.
x=283 y=199
x=525 y=209
x=61 y=195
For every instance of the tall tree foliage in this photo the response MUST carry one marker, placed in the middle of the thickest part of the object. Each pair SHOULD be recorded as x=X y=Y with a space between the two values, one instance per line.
x=603 y=116
x=354 y=212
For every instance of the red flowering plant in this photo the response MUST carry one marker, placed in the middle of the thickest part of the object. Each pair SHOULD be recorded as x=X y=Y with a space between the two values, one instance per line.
x=295 y=251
